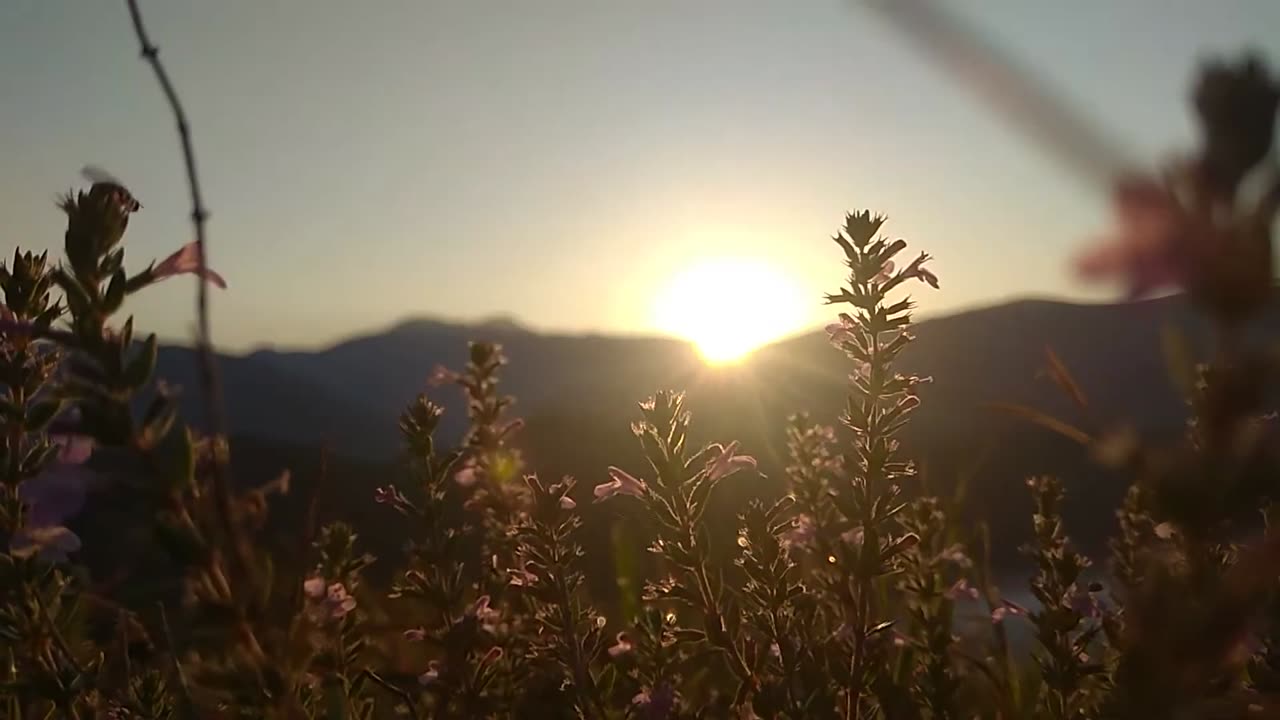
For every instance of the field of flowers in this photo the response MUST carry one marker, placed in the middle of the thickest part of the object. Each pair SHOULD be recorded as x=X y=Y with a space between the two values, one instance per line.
x=841 y=597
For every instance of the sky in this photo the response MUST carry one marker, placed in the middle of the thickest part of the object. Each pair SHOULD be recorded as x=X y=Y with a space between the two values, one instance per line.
x=562 y=161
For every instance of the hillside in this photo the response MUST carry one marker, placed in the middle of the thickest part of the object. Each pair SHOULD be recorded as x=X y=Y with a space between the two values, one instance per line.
x=578 y=395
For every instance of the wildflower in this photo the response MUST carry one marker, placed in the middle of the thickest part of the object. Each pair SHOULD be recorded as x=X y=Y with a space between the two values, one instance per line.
x=917 y=270
x=1149 y=248
x=1164 y=530
x=886 y=271
x=186 y=261
x=567 y=503
x=1084 y=603
x=485 y=615
x=622 y=645
x=622 y=483
x=727 y=463
x=314 y=587
x=468 y=474
x=338 y=602
x=839 y=333
x=961 y=588
x=441 y=375
x=1007 y=608
x=657 y=702
x=432 y=674
x=383 y=495
x=415 y=634
x=521 y=577
x=801 y=533
x=956 y=554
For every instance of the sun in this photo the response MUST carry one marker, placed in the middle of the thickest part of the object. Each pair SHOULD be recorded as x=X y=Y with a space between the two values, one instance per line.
x=730 y=306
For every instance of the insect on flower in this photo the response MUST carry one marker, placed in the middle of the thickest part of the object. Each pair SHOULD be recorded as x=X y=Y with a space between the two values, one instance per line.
x=106 y=185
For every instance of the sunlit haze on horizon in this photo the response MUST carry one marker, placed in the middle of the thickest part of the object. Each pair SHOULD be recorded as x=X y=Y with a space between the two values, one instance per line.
x=605 y=167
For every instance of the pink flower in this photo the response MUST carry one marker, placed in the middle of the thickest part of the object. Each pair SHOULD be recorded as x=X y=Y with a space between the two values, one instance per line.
x=186 y=261
x=839 y=333
x=469 y=474
x=415 y=634
x=886 y=271
x=621 y=646
x=432 y=674
x=621 y=483
x=522 y=577
x=338 y=602
x=917 y=270
x=1007 y=608
x=961 y=588
x=727 y=463
x=567 y=503
x=485 y=615
x=441 y=375
x=955 y=554
x=801 y=533
x=1165 y=530
x=1150 y=248
x=314 y=587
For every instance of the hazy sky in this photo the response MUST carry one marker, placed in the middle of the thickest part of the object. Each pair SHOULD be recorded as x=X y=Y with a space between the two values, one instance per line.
x=559 y=161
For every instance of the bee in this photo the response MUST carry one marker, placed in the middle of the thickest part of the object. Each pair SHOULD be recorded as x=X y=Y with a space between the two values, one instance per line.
x=106 y=184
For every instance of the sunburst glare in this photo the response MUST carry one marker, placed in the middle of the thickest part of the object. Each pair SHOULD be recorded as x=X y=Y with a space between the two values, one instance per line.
x=728 y=307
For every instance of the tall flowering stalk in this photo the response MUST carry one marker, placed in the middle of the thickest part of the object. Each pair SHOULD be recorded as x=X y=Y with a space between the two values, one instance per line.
x=1068 y=621
x=568 y=633
x=676 y=496
x=451 y=578
x=41 y=486
x=880 y=403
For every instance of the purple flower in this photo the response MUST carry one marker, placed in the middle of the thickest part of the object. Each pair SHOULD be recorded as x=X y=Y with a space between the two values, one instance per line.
x=727 y=463
x=186 y=261
x=622 y=483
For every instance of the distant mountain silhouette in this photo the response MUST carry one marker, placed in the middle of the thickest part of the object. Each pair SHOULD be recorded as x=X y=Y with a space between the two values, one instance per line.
x=578 y=394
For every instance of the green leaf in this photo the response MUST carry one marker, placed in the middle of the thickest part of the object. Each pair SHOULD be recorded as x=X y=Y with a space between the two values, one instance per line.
x=42 y=413
x=138 y=371
x=114 y=298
